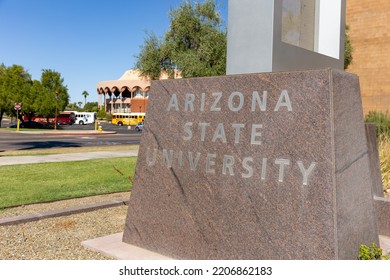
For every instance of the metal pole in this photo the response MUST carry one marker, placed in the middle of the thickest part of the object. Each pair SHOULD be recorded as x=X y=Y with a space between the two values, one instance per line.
x=55 y=119
x=17 y=120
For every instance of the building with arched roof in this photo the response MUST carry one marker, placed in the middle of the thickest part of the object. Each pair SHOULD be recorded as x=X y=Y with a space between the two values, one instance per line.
x=128 y=94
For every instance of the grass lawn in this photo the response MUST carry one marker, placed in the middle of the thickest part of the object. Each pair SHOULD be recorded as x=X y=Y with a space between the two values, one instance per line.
x=43 y=182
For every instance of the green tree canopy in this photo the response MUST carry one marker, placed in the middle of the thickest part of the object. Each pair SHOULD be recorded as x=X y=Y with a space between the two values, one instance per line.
x=91 y=107
x=14 y=83
x=85 y=94
x=195 y=43
x=41 y=97
x=37 y=97
x=73 y=107
x=30 y=97
x=44 y=100
x=54 y=83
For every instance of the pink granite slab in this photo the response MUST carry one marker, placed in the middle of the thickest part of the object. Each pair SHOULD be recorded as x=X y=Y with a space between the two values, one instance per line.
x=256 y=166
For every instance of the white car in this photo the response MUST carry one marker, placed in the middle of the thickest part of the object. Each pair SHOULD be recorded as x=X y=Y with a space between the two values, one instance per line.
x=139 y=126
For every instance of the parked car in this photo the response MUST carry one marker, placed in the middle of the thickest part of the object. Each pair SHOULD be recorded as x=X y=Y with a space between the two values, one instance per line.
x=27 y=124
x=139 y=126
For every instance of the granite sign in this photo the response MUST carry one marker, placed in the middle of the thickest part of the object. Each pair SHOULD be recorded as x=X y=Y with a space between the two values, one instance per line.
x=255 y=166
x=220 y=133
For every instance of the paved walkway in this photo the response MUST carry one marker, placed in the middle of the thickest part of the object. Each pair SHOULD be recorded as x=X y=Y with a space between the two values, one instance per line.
x=13 y=160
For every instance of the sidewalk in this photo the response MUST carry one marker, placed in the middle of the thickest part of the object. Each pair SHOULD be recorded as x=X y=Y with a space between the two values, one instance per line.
x=14 y=160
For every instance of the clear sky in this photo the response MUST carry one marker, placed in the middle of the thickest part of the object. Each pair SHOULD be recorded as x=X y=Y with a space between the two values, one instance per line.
x=87 y=41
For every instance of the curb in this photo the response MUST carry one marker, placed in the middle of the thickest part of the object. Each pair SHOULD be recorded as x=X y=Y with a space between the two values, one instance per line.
x=61 y=212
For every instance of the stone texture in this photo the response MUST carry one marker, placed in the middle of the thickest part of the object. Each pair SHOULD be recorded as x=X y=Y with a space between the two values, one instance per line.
x=311 y=199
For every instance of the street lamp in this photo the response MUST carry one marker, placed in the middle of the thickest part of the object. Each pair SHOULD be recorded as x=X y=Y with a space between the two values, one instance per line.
x=55 y=119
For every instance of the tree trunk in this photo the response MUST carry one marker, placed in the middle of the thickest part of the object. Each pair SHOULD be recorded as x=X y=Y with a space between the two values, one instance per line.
x=1 y=116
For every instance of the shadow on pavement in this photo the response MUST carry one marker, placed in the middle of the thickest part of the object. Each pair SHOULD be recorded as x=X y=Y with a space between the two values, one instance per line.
x=46 y=144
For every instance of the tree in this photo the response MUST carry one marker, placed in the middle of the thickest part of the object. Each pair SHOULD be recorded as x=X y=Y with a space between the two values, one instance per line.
x=3 y=94
x=150 y=59
x=45 y=101
x=195 y=44
x=30 y=100
x=15 y=83
x=45 y=96
x=72 y=107
x=37 y=97
x=91 y=107
x=85 y=94
x=54 y=84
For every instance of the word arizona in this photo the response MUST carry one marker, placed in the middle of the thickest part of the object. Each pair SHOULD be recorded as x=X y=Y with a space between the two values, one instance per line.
x=216 y=102
x=228 y=164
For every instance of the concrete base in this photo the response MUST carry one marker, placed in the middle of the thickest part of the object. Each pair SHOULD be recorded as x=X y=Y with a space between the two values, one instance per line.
x=384 y=243
x=112 y=246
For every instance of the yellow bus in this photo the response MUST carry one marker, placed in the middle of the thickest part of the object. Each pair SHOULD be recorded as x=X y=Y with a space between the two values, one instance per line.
x=127 y=118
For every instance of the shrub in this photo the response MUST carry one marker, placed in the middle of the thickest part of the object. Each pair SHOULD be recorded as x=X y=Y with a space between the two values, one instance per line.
x=101 y=114
x=384 y=160
x=372 y=252
x=386 y=257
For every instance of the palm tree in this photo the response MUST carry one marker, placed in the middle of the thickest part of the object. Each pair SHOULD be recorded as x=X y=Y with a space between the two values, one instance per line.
x=85 y=94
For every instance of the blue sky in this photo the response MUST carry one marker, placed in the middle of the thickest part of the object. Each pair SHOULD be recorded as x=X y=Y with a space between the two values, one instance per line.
x=87 y=41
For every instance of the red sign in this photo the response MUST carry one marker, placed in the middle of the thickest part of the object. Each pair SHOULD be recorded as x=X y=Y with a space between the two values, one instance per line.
x=18 y=106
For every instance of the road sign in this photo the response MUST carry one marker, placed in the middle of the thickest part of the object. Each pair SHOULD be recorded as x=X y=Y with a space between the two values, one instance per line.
x=18 y=106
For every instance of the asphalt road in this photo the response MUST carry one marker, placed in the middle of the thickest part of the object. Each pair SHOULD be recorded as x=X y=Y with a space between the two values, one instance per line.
x=23 y=141
x=106 y=126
